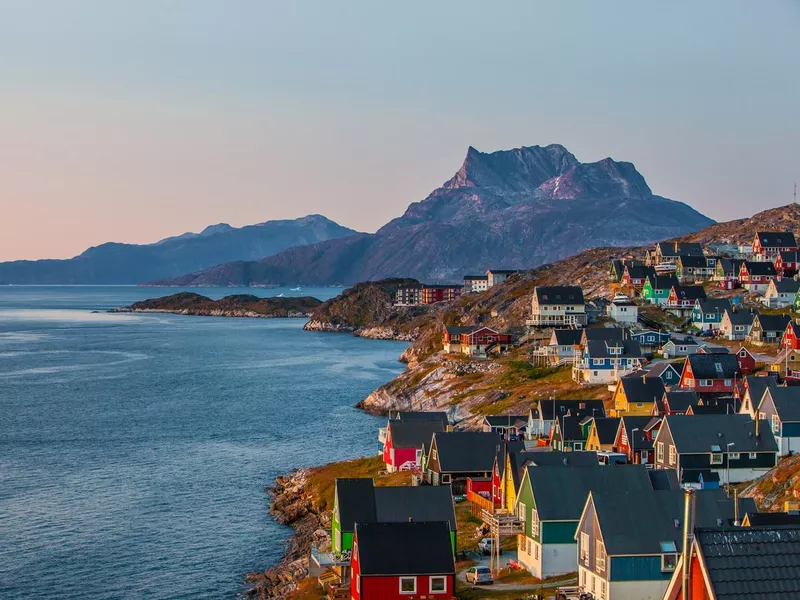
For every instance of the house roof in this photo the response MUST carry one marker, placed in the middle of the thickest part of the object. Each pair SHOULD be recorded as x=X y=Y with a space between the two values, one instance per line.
x=459 y=330
x=714 y=366
x=570 y=427
x=413 y=434
x=505 y=420
x=698 y=476
x=756 y=386
x=639 y=271
x=712 y=349
x=714 y=305
x=501 y=271
x=404 y=549
x=776 y=239
x=680 y=400
x=698 y=434
x=606 y=429
x=662 y=282
x=567 y=337
x=664 y=479
x=397 y=504
x=601 y=349
x=355 y=501
x=689 y=292
x=683 y=340
x=696 y=261
x=560 y=294
x=550 y=408
x=642 y=389
x=603 y=334
x=751 y=563
x=654 y=516
x=684 y=249
x=760 y=268
x=789 y=255
x=759 y=519
x=476 y=277
x=773 y=322
x=709 y=409
x=787 y=403
x=560 y=492
x=731 y=266
x=658 y=369
x=637 y=441
x=742 y=316
x=466 y=451
x=583 y=458
x=420 y=416
x=786 y=285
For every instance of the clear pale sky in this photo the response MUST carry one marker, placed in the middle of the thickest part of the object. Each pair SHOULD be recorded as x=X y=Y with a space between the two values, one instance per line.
x=138 y=119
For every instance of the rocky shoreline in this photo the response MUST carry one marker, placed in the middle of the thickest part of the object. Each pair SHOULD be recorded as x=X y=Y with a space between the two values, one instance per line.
x=245 y=314
x=372 y=333
x=237 y=306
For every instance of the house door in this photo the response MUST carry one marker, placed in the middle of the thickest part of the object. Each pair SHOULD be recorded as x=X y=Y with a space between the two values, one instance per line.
x=644 y=456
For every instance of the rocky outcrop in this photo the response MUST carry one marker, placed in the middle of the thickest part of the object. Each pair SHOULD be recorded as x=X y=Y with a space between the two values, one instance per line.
x=244 y=305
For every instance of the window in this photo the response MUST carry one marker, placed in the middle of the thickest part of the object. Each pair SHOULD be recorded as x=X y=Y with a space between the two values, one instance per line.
x=534 y=522
x=521 y=512
x=438 y=585
x=529 y=546
x=752 y=455
x=434 y=454
x=600 y=557
x=776 y=425
x=734 y=456
x=577 y=446
x=585 y=548
x=705 y=382
x=672 y=455
x=716 y=458
x=358 y=583
x=446 y=478
x=583 y=578
x=602 y=589
x=689 y=382
x=728 y=382
x=408 y=585
x=660 y=451
x=668 y=562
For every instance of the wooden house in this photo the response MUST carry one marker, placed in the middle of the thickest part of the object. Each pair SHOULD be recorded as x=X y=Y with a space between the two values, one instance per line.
x=570 y=432
x=477 y=342
x=710 y=373
x=404 y=442
x=682 y=298
x=730 y=445
x=791 y=336
x=677 y=402
x=680 y=346
x=668 y=372
x=780 y=293
x=693 y=269
x=786 y=364
x=650 y=341
x=787 y=263
x=607 y=361
x=558 y=306
x=768 y=329
x=509 y=464
x=736 y=325
x=563 y=346
x=510 y=427
x=397 y=561
x=542 y=419
x=656 y=288
x=751 y=391
x=602 y=434
x=622 y=310
x=767 y=244
x=739 y=562
x=727 y=272
x=451 y=338
x=635 y=395
x=780 y=406
x=634 y=440
x=707 y=313
x=667 y=253
x=455 y=455
x=746 y=360
x=634 y=276
x=755 y=276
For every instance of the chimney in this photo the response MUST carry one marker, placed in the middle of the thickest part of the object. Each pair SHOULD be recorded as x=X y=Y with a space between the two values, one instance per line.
x=688 y=535
x=757 y=421
x=736 y=507
x=410 y=519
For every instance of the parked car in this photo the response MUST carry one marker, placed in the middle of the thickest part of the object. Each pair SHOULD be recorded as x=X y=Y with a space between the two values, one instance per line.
x=479 y=575
x=486 y=545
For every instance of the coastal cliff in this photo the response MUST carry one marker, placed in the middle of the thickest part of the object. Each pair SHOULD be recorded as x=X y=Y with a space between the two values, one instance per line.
x=242 y=305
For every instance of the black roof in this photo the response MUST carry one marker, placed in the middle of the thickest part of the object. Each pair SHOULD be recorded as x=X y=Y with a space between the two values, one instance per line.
x=699 y=434
x=466 y=451
x=601 y=349
x=786 y=285
x=759 y=519
x=714 y=305
x=638 y=440
x=414 y=433
x=756 y=386
x=605 y=334
x=773 y=322
x=606 y=429
x=680 y=400
x=760 y=268
x=549 y=409
x=476 y=277
x=459 y=330
x=560 y=492
x=642 y=389
x=639 y=271
x=693 y=261
x=570 y=427
x=714 y=366
x=658 y=369
x=396 y=504
x=419 y=416
x=504 y=420
x=355 y=502
x=776 y=239
x=559 y=294
x=752 y=563
x=558 y=459
x=689 y=292
x=684 y=249
x=662 y=282
x=664 y=479
x=418 y=548
x=789 y=255
x=742 y=316
x=787 y=403
x=567 y=337
x=731 y=266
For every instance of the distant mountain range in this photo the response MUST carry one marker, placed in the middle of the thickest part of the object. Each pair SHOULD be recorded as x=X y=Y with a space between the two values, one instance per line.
x=115 y=263
x=509 y=209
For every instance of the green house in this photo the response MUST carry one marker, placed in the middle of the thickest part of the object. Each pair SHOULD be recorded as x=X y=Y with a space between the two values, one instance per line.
x=657 y=287
x=550 y=504
x=360 y=501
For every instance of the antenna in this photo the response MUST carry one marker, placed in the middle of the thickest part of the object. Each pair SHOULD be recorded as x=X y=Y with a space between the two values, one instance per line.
x=795 y=192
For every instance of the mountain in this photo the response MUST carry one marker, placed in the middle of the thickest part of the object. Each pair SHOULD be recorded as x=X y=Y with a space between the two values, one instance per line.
x=509 y=209
x=115 y=263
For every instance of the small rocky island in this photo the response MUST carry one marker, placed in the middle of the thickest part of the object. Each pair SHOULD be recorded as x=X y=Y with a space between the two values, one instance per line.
x=240 y=305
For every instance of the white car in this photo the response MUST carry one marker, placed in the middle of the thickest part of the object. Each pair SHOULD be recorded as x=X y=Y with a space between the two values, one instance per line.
x=486 y=545
x=478 y=575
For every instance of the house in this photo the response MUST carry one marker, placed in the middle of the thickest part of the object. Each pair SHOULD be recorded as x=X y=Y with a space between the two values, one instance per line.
x=680 y=346
x=778 y=519
x=734 y=446
x=405 y=439
x=656 y=288
x=710 y=373
x=746 y=360
x=542 y=419
x=787 y=263
x=780 y=293
x=603 y=334
x=634 y=276
x=755 y=276
x=361 y=501
x=634 y=440
x=668 y=372
x=786 y=364
x=667 y=253
x=409 y=295
x=616 y=270
x=570 y=432
x=401 y=561
x=707 y=313
x=727 y=272
x=650 y=341
x=768 y=329
x=431 y=294
x=756 y=563
x=509 y=462
x=677 y=402
x=780 y=406
x=607 y=361
x=602 y=434
x=506 y=426
x=553 y=458
x=682 y=298
x=623 y=310
x=498 y=276
x=451 y=338
x=635 y=395
x=752 y=391
x=767 y=244
x=475 y=283
x=736 y=324
x=557 y=306
x=477 y=342
x=631 y=553
x=550 y=503
x=563 y=345
x=712 y=349
x=702 y=479
x=791 y=336
x=692 y=269
x=455 y=455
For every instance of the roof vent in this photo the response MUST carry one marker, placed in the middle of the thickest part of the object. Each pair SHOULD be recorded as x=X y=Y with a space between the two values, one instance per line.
x=565 y=461
x=719 y=522
x=719 y=434
x=676 y=523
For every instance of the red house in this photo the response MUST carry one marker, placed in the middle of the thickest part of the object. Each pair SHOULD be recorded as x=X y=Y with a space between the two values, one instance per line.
x=402 y=561
x=634 y=276
x=790 y=336
x=755 y=276
x=478 y=340
x=402 y=449
x=634 y=440
x=787 y=264
x=767 y=244
x=431 y=294
x=747 y=362
x=710 y=373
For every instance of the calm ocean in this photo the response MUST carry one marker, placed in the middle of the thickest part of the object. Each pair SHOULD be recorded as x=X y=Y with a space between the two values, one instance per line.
x=134 y=449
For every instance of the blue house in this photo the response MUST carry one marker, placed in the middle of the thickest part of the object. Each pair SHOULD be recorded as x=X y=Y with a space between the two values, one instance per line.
x=669 y=373
x=781 y=407
x=629 y=542
x=605 y=361
x=707 y=313
x=650 y=341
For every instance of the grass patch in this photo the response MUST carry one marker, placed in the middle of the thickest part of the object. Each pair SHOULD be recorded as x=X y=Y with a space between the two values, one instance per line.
x=466 y=525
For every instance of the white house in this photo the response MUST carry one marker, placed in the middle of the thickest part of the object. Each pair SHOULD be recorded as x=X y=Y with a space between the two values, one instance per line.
x=780 y=293
x=623 y=310
x=554 y=306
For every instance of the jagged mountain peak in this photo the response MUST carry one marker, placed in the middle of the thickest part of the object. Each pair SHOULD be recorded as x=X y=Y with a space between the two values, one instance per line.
x=606 y=178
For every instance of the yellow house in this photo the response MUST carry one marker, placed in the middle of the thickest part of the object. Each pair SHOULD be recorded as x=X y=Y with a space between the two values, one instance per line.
x=636 y=395
x=787 y=361
x=511 y=476
x=602 y=434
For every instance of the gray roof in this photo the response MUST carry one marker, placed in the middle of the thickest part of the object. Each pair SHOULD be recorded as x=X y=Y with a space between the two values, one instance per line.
x=557 y=459
x=606 y=429
x=642 y=389
x=683 y=249
x=405 y=549
x=714 y=366
x=776 y=239
x=742 y=316
x=694 y=261
x=505 y=420
x=662 y=282
x=680 y=400
x=760 y=519
x=752 y=563
x=413 y=434
x=466 y=451
x=774 y=322
x=639 y=271
x=760 y=267
x=658 y=369
x=731 y=266
x=560 y=492
x=684 y=340
x=639 y=440
x=559 y=294
x=655 y=516
x=567 y=337
x=696 y=434
x=689 y=292
x=756 y=386
x=600 y=348
x=786 y=285
x=787 y=403
x=550 y=408
x=355 y=501
x=459 y=330
x=419 y=416
x=714 y=305
x=397 y=504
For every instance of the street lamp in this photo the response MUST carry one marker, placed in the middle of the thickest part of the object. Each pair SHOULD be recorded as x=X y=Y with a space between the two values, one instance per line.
x=630 y=443
x=728 y=460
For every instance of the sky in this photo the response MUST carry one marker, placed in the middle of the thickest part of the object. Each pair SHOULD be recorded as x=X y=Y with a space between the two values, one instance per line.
x=134 y=120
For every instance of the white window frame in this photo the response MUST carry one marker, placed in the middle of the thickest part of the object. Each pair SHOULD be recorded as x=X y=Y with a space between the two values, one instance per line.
x=584 y=548
x=600 y=556
x=441 y=578
x=673 y=455
x=734 y=456
x=534 y=522
x=660 y=451
x=522 y=511
x=667 y=568
x=776 y=424
x=407 y=593
x=446 y=478
x=752 y=455
x=716 y=458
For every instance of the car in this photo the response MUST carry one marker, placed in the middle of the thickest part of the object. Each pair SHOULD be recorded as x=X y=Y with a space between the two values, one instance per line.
x=479 y=575
x=486 y=545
